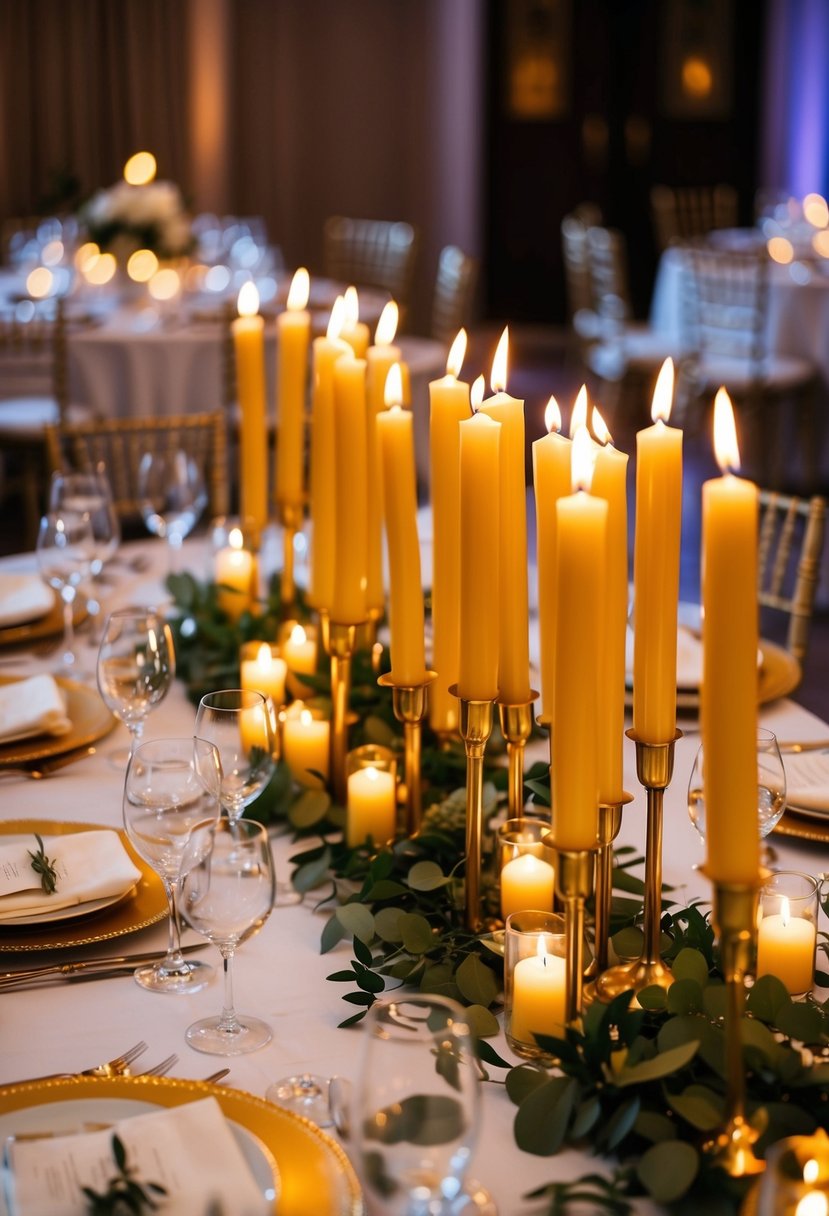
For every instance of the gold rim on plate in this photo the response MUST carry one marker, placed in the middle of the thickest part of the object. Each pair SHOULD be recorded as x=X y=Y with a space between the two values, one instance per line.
x=90 y=718
x=779 y=674
x=801 y=828
x=314 y=1173
x=146 y=906
x=47 y=626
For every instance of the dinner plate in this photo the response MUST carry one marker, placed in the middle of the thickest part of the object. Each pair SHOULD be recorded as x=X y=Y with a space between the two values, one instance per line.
x=146 y=906
x=802 y=828
x=89 y=908
x=38 y=599
x=779 y=675
x=90 y=718
x=314 y=1174
x=47 y=626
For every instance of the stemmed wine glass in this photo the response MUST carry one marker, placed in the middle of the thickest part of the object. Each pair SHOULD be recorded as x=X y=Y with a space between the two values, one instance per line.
x=241 y=724
x=136 y=666
x=172 y=494
x=64 y=552
x=171 y=801
x=90 y=494
x=227 y=896
x=771 y=785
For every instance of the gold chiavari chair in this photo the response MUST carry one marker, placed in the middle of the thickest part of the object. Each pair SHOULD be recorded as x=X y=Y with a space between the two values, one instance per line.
x=790 y=547
x=681 y=213
x=372 y=253
x=455 y=285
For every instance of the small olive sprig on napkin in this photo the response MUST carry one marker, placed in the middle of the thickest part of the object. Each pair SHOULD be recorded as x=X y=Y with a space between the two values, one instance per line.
x=45 y=867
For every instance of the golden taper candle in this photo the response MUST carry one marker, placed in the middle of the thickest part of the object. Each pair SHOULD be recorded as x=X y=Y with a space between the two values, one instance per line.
x=290 y=516
x=410 y=704
x=516 y=726
x=654 y=769
x=610 y=822
x=339 y=640
x=475 y=721
x=574 y=884
x=293 y=328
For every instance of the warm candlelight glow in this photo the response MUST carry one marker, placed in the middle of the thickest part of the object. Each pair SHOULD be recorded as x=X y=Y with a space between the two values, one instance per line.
x=393 y=391
x=552 y=416
x=780 y=250
x=337 y=320
x=165 y=284
x=248 y=302
x=578 y=418
x=86 y=256
x=387 y=325
x=785 y=910
x=663 y=393
x=102 y=269
x=476 y=393
x=140 y=169
x=726 y=448
x=298 y=636
x=811 y=1170
x=582 y=460
x=813 y=1204
x=235 y=538
x=820 y=243
x=457 y=353
x=600 y=430
x=299 y=291
x=142 y=265
x=498 y=376
x=39 y=282
x=305 y=717
x=816 y=210
x=351 y=305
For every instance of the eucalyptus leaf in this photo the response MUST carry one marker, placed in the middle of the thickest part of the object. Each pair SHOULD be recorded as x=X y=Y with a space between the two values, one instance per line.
x=357 y=920
x=767 y=997
x=800 y=1021
x=628 y=942
x=654 y=1126
x=542 y=1118
x=699 y=1106
x=424 y=1119
x=476 y=981
x=654 y=997
x=385 y=889
x=662 y=1065
x=690 y=964
x=667 y=1170
x=587 y=1115
x=482 y=1022
x=416 y=933
x=387 y=924
x=310 y=808
x=332 y=933
x=685 y=996
x=426 y=876
x=313 y=873
x=621 y=1122
x=523 y=1079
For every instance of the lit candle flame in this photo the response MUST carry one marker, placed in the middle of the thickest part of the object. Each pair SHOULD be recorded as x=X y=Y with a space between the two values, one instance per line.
x=298 y=636
x=352 y=307
x=476 y=393
x=306 y=717
x=371 y=773
x=300 y=290
x=387 y=325
x=541 y=949
x=578 y=417
x=248 y=301
x=235 y=538
x=785 y=910
x=336 y=320
x=457 y=354
x=498 y=376
x=663 y=393
x=393 y=390
x=600 y=430
x=726 y=447
x=811 y=1170
x=582 y=460
x=813 y=1204
x=264 y=658
x=552 y=416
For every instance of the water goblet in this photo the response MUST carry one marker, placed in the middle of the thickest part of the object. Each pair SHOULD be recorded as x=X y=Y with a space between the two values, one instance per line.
x=64 y=552
x=227 y=896
x=136 y=666
x=172 y=494
x=771 y=785
x=171 y=801
x=241 y=724
x=90 y=494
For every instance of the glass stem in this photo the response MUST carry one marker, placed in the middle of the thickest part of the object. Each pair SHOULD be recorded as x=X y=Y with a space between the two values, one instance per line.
x=68 y=597
x=174 y=960
x=228 y=1022
x=136 y=730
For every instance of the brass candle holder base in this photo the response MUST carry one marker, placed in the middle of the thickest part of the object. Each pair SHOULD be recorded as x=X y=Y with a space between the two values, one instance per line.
x=290 y=517
x=654 y=769
x=410 y=703
x=574 y=883
x=475 y=727
x=734 y=908
x=516 y=722
x=610 y=822
x=339 y=640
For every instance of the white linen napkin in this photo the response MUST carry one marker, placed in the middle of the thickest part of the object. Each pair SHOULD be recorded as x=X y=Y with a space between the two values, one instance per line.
x=23 y=598
x=807 y=780
x=190 y=1150
x=32 y=707
x=89 y=865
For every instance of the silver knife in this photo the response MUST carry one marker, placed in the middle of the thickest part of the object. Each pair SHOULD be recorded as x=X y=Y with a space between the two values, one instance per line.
x=88 y=969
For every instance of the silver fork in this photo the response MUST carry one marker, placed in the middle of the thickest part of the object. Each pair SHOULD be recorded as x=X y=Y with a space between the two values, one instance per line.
x=118 y=1067
x=159 y=1070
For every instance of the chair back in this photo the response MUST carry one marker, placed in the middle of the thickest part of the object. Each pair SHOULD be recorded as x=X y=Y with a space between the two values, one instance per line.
x=790 y=546
x=33 y=357
x=455 y=285
x=607 y=260
x=682 y=212
x=372 y=253
x=576 y=266
x=118 y=445
x=724 y=303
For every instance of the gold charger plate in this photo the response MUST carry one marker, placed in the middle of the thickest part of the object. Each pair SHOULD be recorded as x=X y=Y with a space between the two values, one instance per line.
x=46 y=626
x=779 y=675
x=798 y=826
x=144 y=907
x=314 y=1173
x=91 y=720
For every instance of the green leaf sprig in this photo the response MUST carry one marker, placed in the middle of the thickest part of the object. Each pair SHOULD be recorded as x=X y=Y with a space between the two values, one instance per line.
x=124 y=1196
x=45 y=867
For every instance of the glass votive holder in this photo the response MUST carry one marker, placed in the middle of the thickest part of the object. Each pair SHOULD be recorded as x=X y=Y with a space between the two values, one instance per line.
x=796 y=1178
x=372 y=795
x=534 y=981
x=527 y=880
x=262 y=669
x=298 y=644
x=235 y=568
x=306 y=743
x=787 y=930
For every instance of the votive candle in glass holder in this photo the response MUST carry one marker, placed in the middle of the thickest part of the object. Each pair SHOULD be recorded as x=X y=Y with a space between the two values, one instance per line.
x=306 y=735
x=372 y=795
x=787 y=931
x=298 y=647
x=527 y=879
x=262 y=669
x=234 y=566
x=534 y=981
x=796 y=1179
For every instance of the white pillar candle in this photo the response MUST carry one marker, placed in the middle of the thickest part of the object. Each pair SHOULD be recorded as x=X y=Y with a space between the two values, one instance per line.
x=371 y=806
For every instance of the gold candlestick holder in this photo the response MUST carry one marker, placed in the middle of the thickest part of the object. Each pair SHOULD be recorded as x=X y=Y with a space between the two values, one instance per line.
x=734 y=913
x=610 y=822
x=574 y=883
x=475 y=727
x=516 y=726
x=290 y=517
x=410 y=703
x=339 y=640
x=654 y=769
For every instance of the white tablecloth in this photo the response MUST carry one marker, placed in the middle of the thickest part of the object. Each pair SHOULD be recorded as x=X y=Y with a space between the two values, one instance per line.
x=280 y=974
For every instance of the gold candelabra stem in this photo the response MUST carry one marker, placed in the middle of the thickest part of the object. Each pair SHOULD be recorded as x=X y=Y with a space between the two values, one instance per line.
x=574 y=883
x=339 y=641
x=610 y=821
x=654 y=769
x=475 y=727
x=516 y=726
x=290 y=517
x=410 y=703
x=735 y=920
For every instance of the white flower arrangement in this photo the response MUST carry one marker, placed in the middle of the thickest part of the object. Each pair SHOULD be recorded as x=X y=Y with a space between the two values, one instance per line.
x=125 y=218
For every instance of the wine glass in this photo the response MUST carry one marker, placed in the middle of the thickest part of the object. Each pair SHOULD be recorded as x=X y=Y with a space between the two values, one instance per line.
x=771 y=785
x=227 y=896
x=64 y=552
x=172 y=494
x=90 y=494
x=171 y=801
x=240 y=723
x=136 y=666
x=415 y=1108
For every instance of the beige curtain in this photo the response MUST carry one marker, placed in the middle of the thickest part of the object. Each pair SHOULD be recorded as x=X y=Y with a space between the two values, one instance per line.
x=83 y=84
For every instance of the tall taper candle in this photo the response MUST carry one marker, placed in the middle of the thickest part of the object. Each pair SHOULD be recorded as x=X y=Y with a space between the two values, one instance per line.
x=552 y=481
x=249 y=343
x=480 y=512
x=348 y=606
x=326 y=352
x=293 y=329
x=379 y=359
